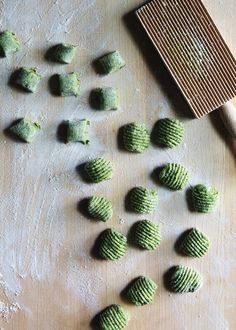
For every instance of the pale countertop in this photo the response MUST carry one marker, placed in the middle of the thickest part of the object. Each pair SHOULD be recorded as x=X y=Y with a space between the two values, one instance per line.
x=48 y=278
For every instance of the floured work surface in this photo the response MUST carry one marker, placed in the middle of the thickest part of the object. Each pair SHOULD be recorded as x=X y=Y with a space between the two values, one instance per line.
x=49 y=280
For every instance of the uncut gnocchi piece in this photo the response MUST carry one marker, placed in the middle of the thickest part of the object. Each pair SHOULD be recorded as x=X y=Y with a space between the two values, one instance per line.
x=195 y=244
x=147 y=235
x=114 y=317
x=25 y=130
x=174 y=176
x=142 y=291
x=100 y=208
x=143 y=200
x=64 y=52
x=136 y=137
x=9 y=43
x=105 y=98
x=69 y=84
x=110 y=63
x=28 y=79
x=185 y=279
x=78 y=131
x=169 y=132
x=204 y=198
x=113 y=245
x=99 y=170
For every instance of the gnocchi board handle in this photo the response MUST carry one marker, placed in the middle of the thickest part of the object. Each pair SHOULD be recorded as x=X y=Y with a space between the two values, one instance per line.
x=228 y=115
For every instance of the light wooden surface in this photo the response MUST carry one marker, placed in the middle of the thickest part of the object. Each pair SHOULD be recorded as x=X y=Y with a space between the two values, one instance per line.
x=48 y=278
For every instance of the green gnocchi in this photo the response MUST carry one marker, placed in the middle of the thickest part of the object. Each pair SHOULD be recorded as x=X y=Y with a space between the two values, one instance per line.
x=78 y=131
x=112 y=245
x=25 y=130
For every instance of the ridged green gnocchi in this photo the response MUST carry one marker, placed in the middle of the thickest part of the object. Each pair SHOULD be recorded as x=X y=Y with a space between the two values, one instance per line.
x=112 y=244
x=195 y=244
x=99 y=170
x=28 y=79
x=78 y=131
x=69 y=84
x=114 y=317
x=64 y=53
x=204 y=198
x=110 y=63
x=136 y=137
x=143 y=200
x=105 y=98
x=100 y=208
x=185 y=279
x=142 y=291
x=174 y=176
x=9 y=43
x=169 y=132
x=25 y=130
x=147 y=235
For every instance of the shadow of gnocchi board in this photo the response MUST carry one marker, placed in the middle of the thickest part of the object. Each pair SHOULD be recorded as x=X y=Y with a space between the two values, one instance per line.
x=49 y=280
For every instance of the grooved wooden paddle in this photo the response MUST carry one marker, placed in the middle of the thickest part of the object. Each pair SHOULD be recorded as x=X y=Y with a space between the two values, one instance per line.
x=195 y=53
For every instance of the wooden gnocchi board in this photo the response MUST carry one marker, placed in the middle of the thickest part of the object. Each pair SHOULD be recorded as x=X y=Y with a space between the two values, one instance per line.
x=48 y=278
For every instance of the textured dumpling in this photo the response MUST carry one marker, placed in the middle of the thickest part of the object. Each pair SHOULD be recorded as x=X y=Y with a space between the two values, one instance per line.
x=69 y=84
x=195 y=244
x=143 y=200
x=169 y=132
x=114 y=317
x=112 y=244
x=99 y=170
x=142 y=291
x=204 y=198
x=100 y=208
x=105 y=98
x=185 y=279
x=9 y=43
x=174 y=176
x=110 y=63
x=25 y=129
x=147 y=235
x=136 y=137
x=78 y=131
x=64 y=52
x=28 y=79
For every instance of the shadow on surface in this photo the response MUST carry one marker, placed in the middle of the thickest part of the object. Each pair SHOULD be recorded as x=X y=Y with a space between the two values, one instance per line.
x=80 y=169
x=94 y=252
x=53 y=85
x=157 y=66
x=82 y=207
x=189 y=200
x=222 y=132
x=62 y=132
x=167 y=278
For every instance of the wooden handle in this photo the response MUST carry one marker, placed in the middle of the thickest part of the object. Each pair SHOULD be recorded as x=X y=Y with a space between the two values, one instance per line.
x=228 y=115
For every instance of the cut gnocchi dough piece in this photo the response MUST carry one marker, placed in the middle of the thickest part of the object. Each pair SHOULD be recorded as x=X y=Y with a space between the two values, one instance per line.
x=105 y=98
x=110 y=63
x=63 y=53
x=78 y=131
x=9 y=43
x=69 y=84
x=28 y=79
x=25 y=130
